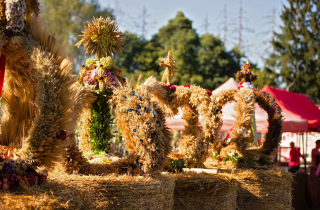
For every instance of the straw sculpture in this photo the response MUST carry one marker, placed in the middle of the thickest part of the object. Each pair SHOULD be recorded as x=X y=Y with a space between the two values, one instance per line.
x=193 y=100
x=41 y=101
x=141 y=120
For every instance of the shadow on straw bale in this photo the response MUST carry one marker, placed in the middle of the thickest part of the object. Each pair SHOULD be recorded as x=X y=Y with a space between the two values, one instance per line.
x=264 y=189
x=204 y=191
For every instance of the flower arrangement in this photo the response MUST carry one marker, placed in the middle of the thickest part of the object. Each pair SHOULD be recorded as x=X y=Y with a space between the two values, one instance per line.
x=170 y=88
x=179 y=161
x=15 y=173
x=99 y=73
x=15 y=15
x=245 y=73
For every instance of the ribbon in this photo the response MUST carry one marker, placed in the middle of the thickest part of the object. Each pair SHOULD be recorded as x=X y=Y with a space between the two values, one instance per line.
x=3 y=59
x=254 y=130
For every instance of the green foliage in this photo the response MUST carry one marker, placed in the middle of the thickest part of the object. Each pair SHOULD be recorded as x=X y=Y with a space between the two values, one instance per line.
x=216 y=64
x=66 y=19
x=297 y=47
x=241 y=161
x=201 y=60
x=177 y=165
x=101 y=122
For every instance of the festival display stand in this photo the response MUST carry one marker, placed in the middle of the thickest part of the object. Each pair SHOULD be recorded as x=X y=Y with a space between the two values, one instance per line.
x=43 y=167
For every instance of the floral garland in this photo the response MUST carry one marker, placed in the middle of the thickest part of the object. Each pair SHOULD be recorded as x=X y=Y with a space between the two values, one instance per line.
x=15 y=173
x=273 y=137
x=240 y=141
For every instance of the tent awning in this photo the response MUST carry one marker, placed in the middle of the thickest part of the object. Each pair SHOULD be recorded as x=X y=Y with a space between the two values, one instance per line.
x=296 y=104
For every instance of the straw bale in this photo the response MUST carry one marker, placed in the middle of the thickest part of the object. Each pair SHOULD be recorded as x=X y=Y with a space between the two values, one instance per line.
x=264 y=189
x=93 y=192
x=204 y=191
x=167 y=189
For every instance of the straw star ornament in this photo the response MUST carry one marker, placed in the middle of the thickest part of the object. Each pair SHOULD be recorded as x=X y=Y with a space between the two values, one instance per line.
x=101 y=38
x=170 y=66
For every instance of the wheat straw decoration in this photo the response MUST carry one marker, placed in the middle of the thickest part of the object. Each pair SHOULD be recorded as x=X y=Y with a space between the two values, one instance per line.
x=101 y=38
x=170 y=66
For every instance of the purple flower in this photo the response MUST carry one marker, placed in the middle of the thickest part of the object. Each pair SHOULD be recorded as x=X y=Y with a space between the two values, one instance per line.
x=248 y=72
x=62 y=135
x=89 y=81
x=8 y=166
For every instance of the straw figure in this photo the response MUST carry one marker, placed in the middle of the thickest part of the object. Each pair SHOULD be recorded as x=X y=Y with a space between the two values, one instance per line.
x=169 y=64
x=198 y=143
x=141 y=120
x=40 y=99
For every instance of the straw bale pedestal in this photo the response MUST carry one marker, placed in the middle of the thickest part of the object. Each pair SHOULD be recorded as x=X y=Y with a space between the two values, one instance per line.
x=95 y=192
x=264 y=189
x=204 y=191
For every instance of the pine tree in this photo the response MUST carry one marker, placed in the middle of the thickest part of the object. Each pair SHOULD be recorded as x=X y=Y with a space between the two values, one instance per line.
x=297 y=47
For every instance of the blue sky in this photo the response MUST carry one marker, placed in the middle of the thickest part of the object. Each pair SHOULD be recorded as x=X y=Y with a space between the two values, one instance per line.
x=255 y=19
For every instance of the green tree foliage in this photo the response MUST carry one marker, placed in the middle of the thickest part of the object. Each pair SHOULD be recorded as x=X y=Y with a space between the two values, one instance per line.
x=179 y=37
x=101 y=122
x=298 y=47
x=201 y=60
x=66 y=19
x=216 y=64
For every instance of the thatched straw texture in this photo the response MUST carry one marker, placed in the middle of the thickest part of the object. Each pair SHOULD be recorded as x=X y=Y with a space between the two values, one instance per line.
x=94 y=192
x=204 y=191
x=264 y=189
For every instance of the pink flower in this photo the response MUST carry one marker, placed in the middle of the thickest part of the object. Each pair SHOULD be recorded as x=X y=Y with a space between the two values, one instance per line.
x=173 y=87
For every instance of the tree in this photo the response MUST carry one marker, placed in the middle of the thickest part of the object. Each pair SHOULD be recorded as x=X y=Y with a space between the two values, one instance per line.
x=66 y=19
x=140 y=55
x=183 y=41
x=216 y=64
x=297 y=47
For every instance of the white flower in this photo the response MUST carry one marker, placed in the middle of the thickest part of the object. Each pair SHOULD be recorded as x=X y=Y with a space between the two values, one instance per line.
x=247 y=85
x=231 y=152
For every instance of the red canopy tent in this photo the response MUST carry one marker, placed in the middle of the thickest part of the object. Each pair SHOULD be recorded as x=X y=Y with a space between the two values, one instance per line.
x=291 y=123
x=296 y=104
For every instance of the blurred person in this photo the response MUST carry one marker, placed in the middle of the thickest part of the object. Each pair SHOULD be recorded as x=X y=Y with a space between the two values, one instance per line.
x=294 y=159
x=315 y=157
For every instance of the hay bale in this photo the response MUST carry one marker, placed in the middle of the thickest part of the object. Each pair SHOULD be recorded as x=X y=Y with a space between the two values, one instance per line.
x=94 y=192
x=167 y=189
x=264 y=189
x=204 y=191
